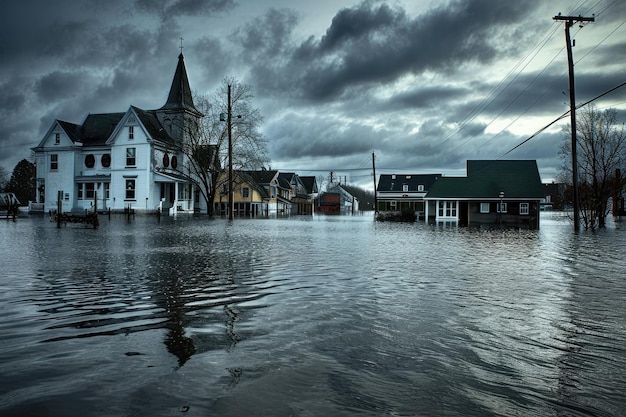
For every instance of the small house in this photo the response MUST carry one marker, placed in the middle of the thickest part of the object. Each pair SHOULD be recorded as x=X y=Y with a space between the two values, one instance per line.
x=504 y=192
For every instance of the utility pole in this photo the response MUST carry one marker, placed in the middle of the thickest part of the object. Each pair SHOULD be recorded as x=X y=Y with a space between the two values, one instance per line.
x=375 y=193
x=230 y=158
x=569 y=22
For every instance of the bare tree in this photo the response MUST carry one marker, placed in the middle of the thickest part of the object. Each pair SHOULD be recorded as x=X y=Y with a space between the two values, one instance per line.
x=206 y=143
x=601 y=151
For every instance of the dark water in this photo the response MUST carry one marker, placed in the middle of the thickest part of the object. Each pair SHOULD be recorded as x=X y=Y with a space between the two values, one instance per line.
x=335 y=316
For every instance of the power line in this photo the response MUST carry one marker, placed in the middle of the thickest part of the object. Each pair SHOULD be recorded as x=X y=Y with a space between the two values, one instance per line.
x=545 y=91
x=501 y=86
x=564 y=115
x=483 y=106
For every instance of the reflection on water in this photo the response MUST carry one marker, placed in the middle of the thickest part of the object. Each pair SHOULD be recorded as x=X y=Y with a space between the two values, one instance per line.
x=310 y=316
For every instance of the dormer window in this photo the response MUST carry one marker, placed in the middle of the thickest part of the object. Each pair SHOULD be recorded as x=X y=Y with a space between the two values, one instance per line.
x=405 y=187
x=420 y=187
x=57 y=138
x=131 y=132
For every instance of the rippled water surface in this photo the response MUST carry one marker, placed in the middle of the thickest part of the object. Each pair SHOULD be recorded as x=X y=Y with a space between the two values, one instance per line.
x=324 y=316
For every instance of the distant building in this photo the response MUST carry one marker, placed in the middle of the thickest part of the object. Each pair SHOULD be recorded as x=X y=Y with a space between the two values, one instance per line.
x=403 y=193
x=120 y=160
x=553 y=196
x=337 y=200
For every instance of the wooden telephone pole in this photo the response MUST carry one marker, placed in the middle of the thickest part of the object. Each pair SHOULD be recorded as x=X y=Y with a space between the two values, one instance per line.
x=569 y=22
x=375 y=193
x=229 y=122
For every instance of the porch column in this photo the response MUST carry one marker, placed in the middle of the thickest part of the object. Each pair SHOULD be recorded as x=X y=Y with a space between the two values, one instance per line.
x=192 y=197
x=175 y=198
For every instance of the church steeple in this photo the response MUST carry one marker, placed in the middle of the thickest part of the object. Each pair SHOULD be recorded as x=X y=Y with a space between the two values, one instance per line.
x=180 y=93
x=179 y=116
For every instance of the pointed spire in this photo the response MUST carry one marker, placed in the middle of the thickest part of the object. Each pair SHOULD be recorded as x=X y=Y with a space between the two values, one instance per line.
x=180 y=93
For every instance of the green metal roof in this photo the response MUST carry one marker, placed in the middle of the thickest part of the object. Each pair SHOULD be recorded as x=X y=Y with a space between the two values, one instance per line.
x=487 y=178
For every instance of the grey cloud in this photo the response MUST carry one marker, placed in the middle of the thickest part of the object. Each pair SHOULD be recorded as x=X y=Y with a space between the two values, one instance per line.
x=296 y=136
x=358 y=23
x=267 y=36
x=371 y=44
x=12 y=99
x=59 y=84
x=429 y=96
x=168 y=9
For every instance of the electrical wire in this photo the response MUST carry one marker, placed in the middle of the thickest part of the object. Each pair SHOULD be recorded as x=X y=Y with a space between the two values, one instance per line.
x=562 y=117
x=501 y=86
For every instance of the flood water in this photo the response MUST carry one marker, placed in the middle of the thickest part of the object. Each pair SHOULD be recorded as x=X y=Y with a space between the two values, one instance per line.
x=322 y=316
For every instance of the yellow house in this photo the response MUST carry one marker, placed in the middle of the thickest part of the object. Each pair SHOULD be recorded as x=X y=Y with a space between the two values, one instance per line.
x=249 y=199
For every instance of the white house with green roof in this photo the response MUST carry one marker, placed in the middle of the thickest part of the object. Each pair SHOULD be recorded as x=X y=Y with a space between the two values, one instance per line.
x=121 y=160
x=505 y=192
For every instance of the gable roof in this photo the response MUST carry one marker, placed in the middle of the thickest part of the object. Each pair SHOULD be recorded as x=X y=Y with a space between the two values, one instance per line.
x=97 y=128
x=249 y=179
x=487 y=178
x=310 y=183
x=150 y=122
x=262 y=176
x=71 y=129
x=394 y=183
x=180 y=97
x=288 y=176
x=94 y=131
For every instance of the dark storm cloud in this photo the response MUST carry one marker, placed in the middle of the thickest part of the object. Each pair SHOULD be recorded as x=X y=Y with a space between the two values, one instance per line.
x=173 y=8
x=358 y=23
x=296 y=136
x=210 y=68
x=268 y=35
x=58 y=83
x=374 y=43
x=425 y=97
x=12 y=100
x=593 y=84
x=540 y=92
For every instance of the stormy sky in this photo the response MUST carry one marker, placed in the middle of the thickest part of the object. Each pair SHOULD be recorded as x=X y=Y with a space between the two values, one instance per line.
x=425 y=85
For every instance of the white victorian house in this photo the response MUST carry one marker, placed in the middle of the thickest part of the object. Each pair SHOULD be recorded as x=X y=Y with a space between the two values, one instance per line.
x=121 y=160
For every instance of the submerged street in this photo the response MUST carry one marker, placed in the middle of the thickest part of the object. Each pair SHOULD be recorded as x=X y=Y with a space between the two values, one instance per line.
x=310 y=316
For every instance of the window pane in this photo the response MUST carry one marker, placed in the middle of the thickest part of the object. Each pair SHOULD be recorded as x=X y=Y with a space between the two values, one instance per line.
x=523 y=208
x=130 y=189
x=89 y=190
x=130 y=156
